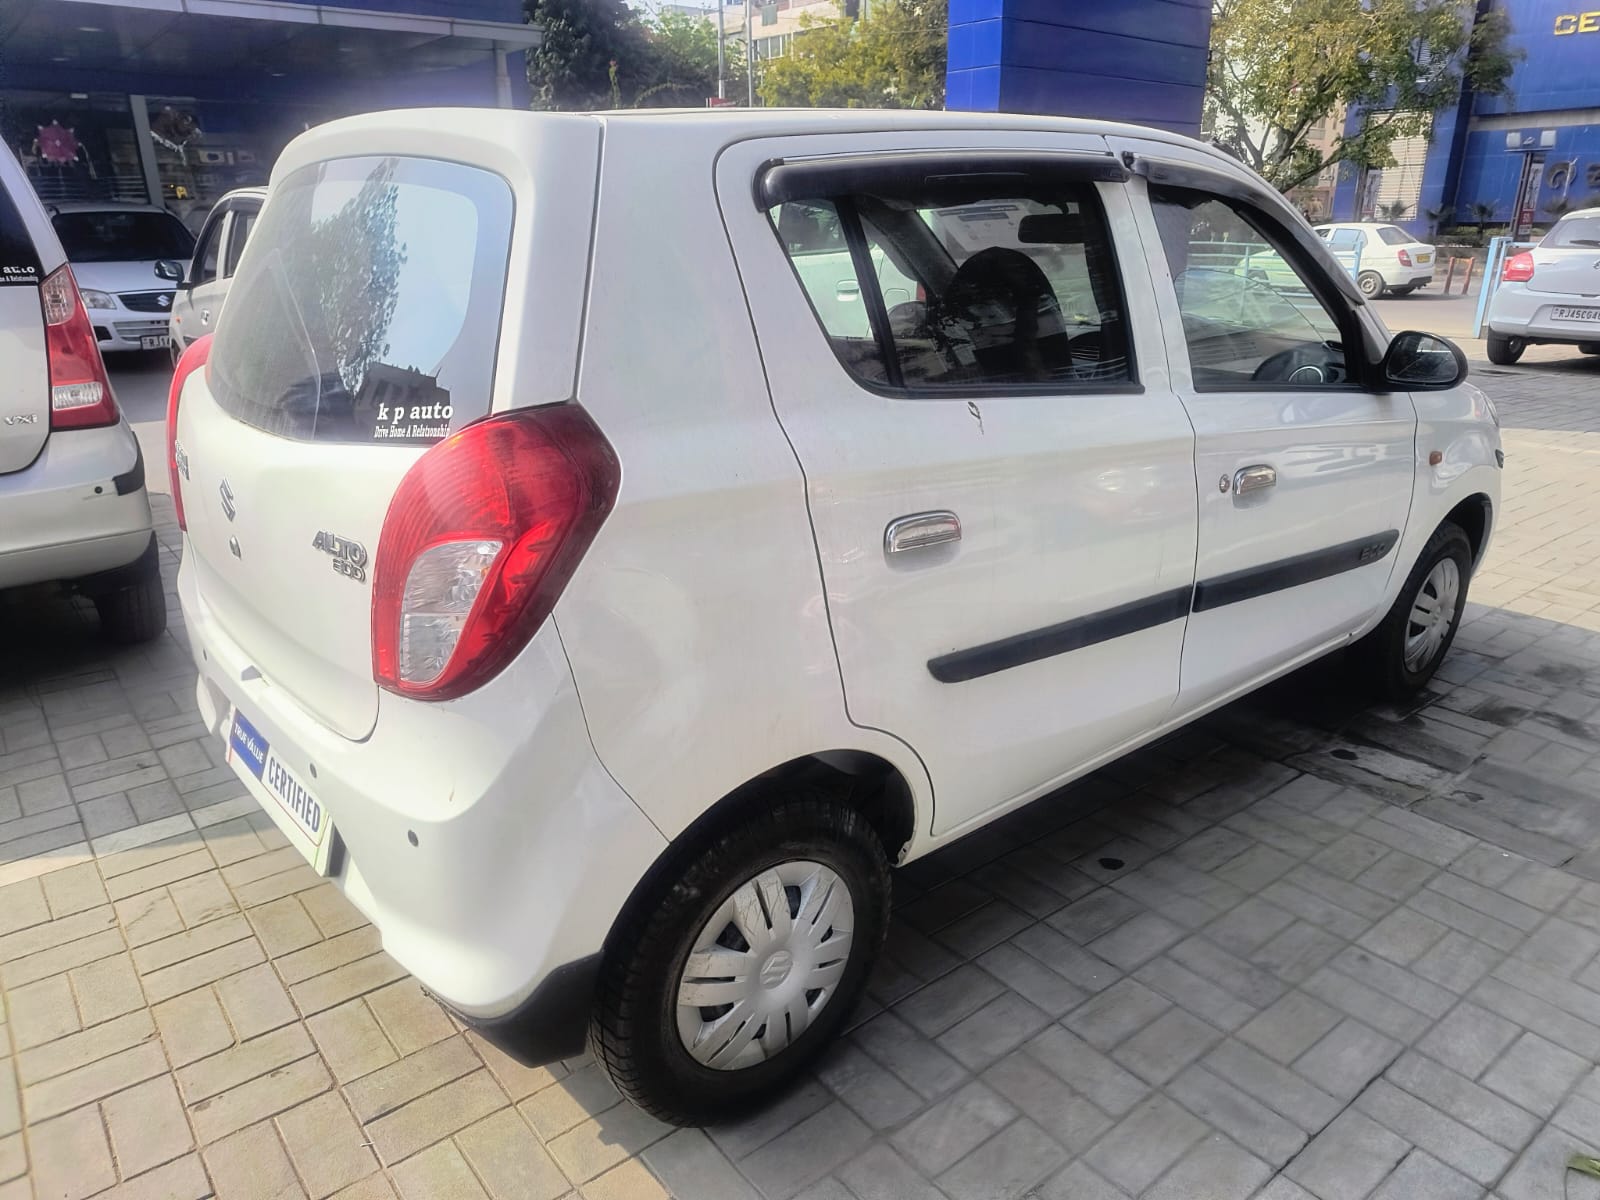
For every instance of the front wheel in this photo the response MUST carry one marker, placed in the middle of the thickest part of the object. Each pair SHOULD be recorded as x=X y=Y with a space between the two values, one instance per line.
x=728 y=982
x=1504 y=351
x=1371 y=284
x=1403 y=652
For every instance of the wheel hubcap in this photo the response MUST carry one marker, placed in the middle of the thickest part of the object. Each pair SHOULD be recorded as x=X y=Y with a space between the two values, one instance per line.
x=765 y=965
x=1433 y=611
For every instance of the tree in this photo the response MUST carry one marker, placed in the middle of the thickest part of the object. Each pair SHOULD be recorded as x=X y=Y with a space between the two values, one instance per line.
x=1436 y=215
x=1482 y=213
x=1280 y=67
x=604 y=54
x=894 y=57
x=1395 y=210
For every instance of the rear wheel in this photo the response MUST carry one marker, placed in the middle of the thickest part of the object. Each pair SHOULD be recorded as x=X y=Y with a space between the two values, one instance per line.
x=1371 y=284
x=1503 y=351
x=135 y=611
x=1589 y=347
x=733 y=977
x=1403 y=652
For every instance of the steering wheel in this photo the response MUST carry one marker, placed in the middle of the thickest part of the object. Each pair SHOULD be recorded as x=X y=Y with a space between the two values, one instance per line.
x=1304 y=365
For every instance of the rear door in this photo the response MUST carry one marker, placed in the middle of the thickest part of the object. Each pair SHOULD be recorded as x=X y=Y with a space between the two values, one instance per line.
x=362 y=329
x=999 y=477
x=24 y=361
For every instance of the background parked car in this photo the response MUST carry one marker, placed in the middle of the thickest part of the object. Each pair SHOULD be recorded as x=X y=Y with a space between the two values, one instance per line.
x=73 y=505
x=1550 y=295
x=199 y=300
x=1391 y=259
x=127 y=259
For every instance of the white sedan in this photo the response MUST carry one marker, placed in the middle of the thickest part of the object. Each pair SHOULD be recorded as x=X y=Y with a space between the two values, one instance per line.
x=1551 y=293
x=1389 y=259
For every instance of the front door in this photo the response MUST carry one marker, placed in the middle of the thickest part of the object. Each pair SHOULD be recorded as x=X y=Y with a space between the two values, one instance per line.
x=195 y=306
x=1304 y=472
x=999 y=476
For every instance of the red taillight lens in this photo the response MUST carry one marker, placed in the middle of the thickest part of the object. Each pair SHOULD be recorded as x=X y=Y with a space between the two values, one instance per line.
x=1518 y=268
x=190 y=361
x=80 y=391
x=1405 y=258
x=481 y=537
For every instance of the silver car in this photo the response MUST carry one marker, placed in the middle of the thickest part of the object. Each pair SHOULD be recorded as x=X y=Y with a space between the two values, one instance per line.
x=72 y=480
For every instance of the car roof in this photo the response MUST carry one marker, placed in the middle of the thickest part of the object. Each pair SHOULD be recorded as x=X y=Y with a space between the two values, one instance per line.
x=257 y=193
x=82 y=206
x=1361 y=225
x=1581 y=212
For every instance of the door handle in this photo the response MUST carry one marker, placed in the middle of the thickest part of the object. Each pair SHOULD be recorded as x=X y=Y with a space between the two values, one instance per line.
x=918 y=530
x=1253 y=479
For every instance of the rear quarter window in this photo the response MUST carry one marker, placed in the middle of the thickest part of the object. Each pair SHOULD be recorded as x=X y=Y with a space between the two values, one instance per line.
x=368 y=307
x=19 y=260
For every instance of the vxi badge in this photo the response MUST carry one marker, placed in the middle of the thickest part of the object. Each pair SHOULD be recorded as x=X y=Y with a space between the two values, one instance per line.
x=349 y=558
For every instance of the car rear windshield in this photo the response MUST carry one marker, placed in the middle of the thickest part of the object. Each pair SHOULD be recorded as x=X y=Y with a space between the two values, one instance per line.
x=1574 y=233
x=19 y=261
x=1393 y=235
x=367 y=306
x=94 y=237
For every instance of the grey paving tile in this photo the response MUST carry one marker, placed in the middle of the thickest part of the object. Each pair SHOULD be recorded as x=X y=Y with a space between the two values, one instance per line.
x=1290 y=1027
x=1535 y=1073
x=918 y=1062
x=1456 y=1095
x=1347 y=1059
x=1141 y=1147
x=1348 y=1158
x=1071 y=1119
x=1117 y=1013
x=1279 y=1088
x=996 y=1029
x=1086 y=1071
x=873 y=1092
x=1006 y=1167
x=940 y=1137
x=1164 y=1047
x=1246 y=1120
x=1423 y=1177
x=1458 y=1146
x=1468 y=1039
x=878 y=1173
x=806 y=1153
x=1215 y=1169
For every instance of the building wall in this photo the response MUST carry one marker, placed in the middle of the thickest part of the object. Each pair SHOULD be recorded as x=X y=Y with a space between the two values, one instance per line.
x=460 y=10
x=1134 y=60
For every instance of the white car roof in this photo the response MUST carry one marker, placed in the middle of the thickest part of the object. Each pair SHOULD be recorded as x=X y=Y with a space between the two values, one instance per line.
x=1581 y=212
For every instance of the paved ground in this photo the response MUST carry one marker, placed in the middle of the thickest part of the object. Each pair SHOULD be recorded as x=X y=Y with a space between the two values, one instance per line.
x=1307 y=949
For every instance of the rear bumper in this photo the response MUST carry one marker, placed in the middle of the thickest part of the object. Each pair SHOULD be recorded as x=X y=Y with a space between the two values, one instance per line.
x=482 y=836
x=79 y=509
x=1516 y=311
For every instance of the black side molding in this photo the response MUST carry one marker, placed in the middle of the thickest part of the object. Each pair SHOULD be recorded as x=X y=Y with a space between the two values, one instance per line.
x=1022 y=648
x=551 y=1024
x=1292 y=572
x=1060 y=639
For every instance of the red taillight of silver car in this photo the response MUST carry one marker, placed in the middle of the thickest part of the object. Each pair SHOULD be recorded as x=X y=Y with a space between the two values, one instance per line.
x=80 y=390
x=480 y=539
x=1518 y=268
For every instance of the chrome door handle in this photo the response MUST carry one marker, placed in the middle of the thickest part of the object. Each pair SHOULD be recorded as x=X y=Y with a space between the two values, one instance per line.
x=918 y=530
x=1253 y=479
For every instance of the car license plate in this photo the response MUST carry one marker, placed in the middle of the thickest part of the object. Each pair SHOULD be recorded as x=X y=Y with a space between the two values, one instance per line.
x=255 y=759
x=1424 y=259
x=1575 y=314
x=155 y=342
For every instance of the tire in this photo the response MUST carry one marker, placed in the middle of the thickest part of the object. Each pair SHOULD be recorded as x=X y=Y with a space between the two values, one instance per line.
x=1403 y=291
x=1390 y=653
x=1371 y=284
x=136 y=611
x=1504 y=351
x=1589 y=347
x=643 y=1036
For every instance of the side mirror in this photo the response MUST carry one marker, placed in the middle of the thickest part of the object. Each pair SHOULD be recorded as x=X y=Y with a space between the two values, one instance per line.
x=1423 y=362
x=170 y=270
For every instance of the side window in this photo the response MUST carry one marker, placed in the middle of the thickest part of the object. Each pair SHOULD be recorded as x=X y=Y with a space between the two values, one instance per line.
x=1346 y=239
x=973 y=282
x=244 y=220
x=1250 y=315
x=209 y=252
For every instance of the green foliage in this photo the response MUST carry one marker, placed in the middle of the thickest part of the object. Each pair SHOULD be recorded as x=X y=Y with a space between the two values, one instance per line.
x=1482 y=214
x=605 y=54
x=1395 y=210
x=894 y=57
x=1278 y=67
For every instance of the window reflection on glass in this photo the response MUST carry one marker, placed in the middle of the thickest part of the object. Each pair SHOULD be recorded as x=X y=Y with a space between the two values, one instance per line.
x=1249 y=314
x=371 y=310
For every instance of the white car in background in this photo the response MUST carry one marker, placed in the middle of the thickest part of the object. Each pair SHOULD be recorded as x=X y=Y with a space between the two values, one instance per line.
x=128 y=259
x=198 y=304
x=1550 y=295
x=1391 y=260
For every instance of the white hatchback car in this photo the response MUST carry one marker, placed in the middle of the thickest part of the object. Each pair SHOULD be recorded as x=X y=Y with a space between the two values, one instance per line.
x=1550 y=295
x=579 y=581
x=127 y=259
x=1390 y=259
x=73 y=504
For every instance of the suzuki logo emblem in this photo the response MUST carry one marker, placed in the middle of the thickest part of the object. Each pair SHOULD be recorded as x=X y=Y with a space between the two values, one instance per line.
x=164 y=301
x=226 y=493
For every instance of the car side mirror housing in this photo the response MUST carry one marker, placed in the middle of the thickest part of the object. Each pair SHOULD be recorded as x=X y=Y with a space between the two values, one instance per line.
x=1423 y=362
x=169 y=270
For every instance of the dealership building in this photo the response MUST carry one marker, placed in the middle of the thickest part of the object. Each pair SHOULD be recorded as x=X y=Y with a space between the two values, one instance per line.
x=177 y=101
x=1529 y=154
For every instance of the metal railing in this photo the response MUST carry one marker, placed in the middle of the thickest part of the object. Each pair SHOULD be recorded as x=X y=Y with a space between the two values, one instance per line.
x=1500 y=249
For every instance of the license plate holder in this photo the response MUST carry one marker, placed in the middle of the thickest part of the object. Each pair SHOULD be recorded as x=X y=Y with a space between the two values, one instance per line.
x=1569 y=313
x=280 y=790
x=155 y=341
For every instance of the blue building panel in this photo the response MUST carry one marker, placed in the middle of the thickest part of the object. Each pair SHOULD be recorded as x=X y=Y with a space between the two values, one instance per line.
x=1560 y=42
x=1128 y=60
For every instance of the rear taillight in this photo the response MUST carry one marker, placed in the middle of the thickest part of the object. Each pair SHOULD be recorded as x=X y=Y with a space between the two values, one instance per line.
x=190 y=361
x=1518 y=268
x=80 y=391
x=1405 y=258
x=480 y=539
